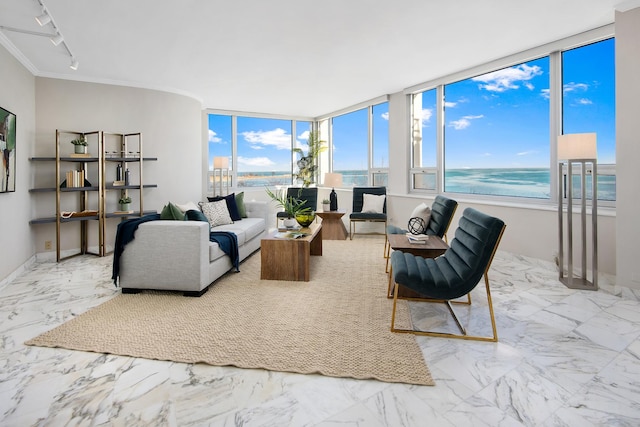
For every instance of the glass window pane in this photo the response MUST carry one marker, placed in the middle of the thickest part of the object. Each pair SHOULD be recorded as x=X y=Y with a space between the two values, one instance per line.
x=497 y=132
x=588 y=105
x=351 y=147
x=264 y=152
x=424 y=130
x=220 y=144
x=381 y=135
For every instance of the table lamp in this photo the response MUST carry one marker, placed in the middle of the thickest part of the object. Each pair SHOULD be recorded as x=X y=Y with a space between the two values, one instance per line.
x=333 y=180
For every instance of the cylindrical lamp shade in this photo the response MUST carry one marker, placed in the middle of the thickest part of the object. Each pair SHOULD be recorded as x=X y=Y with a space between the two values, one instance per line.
x=221 y=163
x=333 y=180
x=577 y=146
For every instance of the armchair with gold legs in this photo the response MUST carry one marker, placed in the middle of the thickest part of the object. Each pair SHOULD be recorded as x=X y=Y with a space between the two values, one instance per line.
x=454 y=274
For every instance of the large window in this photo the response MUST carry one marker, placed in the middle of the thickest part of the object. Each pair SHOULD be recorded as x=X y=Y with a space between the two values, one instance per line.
x=588 y=105
x=497 y=132
x=220 y=145
x=424 y=140
x=497 y=137
x=350 y=147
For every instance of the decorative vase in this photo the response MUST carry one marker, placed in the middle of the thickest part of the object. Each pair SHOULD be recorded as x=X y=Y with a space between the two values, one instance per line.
x=80 y=149
x=289 y=222
x=305 y=219
x=125 y=206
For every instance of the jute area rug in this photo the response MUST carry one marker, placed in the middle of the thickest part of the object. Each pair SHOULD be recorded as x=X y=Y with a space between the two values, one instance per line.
x=336 y=325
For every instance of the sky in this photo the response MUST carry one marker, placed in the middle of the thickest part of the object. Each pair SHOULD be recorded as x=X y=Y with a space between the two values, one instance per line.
x=496 y=120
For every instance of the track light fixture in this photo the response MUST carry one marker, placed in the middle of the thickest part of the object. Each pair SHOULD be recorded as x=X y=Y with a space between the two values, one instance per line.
x=74 y=64
x=57 y=39
x=43 y=19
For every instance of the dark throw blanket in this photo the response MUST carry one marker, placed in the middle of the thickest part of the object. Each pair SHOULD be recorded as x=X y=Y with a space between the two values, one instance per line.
x=124 y=234
x=227 y=241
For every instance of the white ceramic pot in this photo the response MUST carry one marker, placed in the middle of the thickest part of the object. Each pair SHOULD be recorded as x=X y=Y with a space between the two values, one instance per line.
x=290 y=222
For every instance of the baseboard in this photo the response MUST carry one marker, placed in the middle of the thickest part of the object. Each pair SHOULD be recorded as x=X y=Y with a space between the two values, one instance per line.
x=17 y=272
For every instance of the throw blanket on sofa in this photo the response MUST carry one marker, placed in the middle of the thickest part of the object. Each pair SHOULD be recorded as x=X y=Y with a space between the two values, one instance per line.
x=228 y=242
x=124 y=234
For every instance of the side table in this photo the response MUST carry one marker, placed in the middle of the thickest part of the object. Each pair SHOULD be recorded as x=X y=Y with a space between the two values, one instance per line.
x=332 y=226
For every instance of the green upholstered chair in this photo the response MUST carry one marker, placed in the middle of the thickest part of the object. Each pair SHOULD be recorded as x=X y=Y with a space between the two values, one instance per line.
x=308 y=194
x=358 y=202
x=455 y=273
x=442 y=211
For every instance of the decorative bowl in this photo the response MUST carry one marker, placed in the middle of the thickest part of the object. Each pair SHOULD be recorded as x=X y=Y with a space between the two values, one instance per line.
x=305 y=219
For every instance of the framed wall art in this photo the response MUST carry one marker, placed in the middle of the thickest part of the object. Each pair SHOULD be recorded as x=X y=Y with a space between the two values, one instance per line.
x=8 y=151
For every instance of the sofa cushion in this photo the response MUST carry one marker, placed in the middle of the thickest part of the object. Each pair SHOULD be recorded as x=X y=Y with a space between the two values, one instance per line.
x=242 y=210
x=246 y=229
x=231 y=205
x=215 y=252
x=184 y=207
x=171 y=211
x=195 y=215
x=217 y=213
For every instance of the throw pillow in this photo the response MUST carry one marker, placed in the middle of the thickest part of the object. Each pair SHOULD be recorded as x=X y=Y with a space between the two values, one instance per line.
x=171 y=212
x=184 y=207
x=242 y=210
x=195 y=215
x=217 y=213
x=231 y=205
x=423 y=212
x=373 y=203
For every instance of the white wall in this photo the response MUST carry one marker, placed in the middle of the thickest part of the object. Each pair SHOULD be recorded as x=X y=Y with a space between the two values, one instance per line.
x=17 y=94
x=170 y=125
x=628 y=146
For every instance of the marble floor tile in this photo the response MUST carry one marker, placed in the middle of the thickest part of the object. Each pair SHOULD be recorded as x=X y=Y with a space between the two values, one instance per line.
x=564 y=358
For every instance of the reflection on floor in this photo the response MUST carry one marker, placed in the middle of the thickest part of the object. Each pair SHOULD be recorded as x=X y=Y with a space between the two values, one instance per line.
x=565 y=358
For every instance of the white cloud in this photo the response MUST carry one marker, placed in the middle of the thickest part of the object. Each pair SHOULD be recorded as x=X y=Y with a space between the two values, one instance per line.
x=426 y=114
x=584 y=101
x=450 y=104
x=255 y=161
x=385 y=116
x=507 y=78
x=277 y=138
x=304 y=135
x=574 y=87
x=526 y=153
x=213 y=137
x=545 y=93
x=464 y=122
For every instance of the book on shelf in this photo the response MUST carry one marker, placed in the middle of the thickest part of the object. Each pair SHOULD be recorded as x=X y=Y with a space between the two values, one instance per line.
x=75 y=178
x=80 y=155
x=118 y=183
x=294 y=228
x=418 y=239
x=123 y=212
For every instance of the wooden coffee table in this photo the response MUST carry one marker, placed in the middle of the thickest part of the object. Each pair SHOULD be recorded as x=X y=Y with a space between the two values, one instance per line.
x=288 y=259
x=434 y=247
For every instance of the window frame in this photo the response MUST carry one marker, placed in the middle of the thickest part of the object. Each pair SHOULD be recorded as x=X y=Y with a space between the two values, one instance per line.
x=554 y=52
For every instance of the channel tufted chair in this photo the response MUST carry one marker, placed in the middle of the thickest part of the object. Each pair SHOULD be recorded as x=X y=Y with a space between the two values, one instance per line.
x=453 y=274
x=357 y=215
x=442 y=211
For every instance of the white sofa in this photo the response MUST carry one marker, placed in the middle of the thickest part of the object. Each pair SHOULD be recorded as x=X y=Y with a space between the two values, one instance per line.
x=177 y=255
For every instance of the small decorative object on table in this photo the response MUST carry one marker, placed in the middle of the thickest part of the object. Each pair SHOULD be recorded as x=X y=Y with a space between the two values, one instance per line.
x=326 y=205
x=80 y=145
x=305 y=218
x=417 y=225
x=125 y=203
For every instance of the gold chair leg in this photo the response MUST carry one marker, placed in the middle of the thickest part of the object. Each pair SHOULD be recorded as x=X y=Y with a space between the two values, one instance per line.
x=464 y=335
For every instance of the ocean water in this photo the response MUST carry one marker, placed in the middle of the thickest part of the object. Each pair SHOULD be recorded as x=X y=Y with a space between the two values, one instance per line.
x=515 y=182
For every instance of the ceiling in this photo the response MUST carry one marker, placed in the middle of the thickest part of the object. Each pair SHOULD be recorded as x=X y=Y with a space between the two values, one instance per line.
x=290 y=57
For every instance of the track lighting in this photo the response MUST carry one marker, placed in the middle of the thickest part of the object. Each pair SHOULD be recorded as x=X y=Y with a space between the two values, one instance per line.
x=43 y=19
x=74 y=64
x=57 y=39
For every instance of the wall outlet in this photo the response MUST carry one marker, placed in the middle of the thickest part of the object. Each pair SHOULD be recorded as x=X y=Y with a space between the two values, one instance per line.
x=47 y=245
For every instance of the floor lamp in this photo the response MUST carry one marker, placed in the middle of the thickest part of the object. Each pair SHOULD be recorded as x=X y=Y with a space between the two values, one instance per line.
x=221 y=169
x=578 y=148
x=333 y=180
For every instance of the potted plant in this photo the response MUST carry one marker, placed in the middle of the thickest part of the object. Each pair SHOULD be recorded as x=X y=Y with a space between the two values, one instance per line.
x=326 y=205
x=80 y=145
x=308 y=164
x=125 y=203
x=293 y=207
